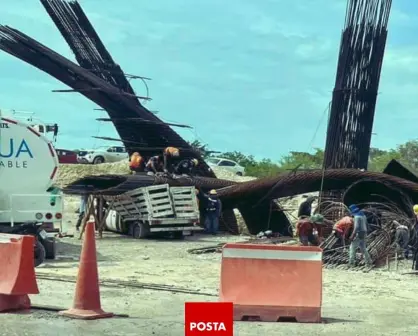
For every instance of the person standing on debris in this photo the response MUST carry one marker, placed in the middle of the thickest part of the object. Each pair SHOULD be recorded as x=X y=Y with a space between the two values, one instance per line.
x=213 y=210
x=342 y=227
x=153 y=165
x=136 y=163
x=186 y=167
x=305 y=208
x=170 y=153
x=402 y=238
x=83 y=205
x=309 y=230
x=358 y=236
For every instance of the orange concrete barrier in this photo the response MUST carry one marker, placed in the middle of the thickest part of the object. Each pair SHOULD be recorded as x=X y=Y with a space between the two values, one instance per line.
x=272 y=282
x=17 y=272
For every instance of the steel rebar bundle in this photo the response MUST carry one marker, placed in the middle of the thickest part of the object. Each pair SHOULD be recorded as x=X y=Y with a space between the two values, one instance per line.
x=356 y=86
x=89 y=50
x=380 y=240
x=96 y=89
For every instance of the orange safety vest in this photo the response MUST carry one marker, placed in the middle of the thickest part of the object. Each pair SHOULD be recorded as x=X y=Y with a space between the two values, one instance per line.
x=171 y=150
x=136 y=161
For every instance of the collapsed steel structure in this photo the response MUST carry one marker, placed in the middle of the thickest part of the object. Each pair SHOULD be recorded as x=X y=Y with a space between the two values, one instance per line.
x=356 y=86
x=359 y=186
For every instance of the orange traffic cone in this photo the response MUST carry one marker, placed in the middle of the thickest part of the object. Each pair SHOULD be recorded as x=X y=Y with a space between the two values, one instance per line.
x=87 y=294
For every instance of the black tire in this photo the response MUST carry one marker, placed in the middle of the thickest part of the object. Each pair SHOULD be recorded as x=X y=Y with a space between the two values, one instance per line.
x=131 y=229
x=98 y=160
x=239 y=174
x=50 y=246
x=178 y=235
x=140 y=230
x=39 y=253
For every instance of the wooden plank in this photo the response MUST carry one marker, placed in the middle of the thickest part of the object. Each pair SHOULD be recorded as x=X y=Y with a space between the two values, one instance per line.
x=162 y=207
x=159 y=196
x=186 y=202
x=162 y=214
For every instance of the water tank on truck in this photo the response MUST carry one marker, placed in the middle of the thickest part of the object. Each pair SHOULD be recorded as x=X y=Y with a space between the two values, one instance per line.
x=28 y=168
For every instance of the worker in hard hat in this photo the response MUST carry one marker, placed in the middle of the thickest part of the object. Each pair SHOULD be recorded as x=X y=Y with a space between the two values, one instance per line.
x=212 y=211
x=402 y=237
x=154 y=165
x=342 y=227
x=186 y=167
x=309 y=230
x=169 y=154
x=358 y=236
x=136 y=163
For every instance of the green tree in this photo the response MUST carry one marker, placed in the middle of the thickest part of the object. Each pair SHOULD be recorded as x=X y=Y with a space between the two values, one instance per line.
x=200 y=147
x=409 y=153
x=303 y=160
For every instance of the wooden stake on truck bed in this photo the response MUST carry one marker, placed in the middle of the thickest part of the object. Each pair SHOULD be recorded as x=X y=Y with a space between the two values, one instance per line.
x=98 y=214
x=89 y=212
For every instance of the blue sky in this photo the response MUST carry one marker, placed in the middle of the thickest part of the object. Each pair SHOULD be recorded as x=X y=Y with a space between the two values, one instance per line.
x=252 y=76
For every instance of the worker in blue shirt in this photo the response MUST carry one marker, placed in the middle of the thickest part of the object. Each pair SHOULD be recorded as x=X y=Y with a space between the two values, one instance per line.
x=358 y=237
x=212 y=212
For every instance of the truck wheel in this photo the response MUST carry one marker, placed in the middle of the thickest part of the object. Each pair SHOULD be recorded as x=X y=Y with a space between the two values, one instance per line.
x=239 y=174
x=98 y=160
x=39 y=251
x=140 y=230
x=178 y=235
x=131 y=229
x=50 y=246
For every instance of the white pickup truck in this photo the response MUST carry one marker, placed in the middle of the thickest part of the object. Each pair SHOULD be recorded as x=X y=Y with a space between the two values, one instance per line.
x=102 y=155
x=154 y=209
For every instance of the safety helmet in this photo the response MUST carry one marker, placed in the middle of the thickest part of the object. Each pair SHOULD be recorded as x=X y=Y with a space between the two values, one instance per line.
x=354 y=209
x=213 y=192
x=317 y=219
x=416 y=208
x=195 y=162
x=135 y=154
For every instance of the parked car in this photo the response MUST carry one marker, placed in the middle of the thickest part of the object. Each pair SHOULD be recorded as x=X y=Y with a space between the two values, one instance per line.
x=230 y=165
x=66 y=156
x=102 y=155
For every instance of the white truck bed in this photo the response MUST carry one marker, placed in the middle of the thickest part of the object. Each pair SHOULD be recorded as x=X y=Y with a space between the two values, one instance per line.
x=160 y=207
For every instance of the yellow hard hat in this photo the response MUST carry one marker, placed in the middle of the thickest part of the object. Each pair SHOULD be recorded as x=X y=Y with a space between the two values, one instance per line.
x=213 y=192
x=195 y=162
x=416 y=208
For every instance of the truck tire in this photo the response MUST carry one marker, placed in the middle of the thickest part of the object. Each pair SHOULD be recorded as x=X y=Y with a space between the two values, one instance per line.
x=178 y=235
x=140 y=230
x=39 y=253
x=239 y=174
x=98 y=160
x=50 y=246
x=131 y=229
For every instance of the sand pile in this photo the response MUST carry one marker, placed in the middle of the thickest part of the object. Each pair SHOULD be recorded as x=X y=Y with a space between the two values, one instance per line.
x=68 y=173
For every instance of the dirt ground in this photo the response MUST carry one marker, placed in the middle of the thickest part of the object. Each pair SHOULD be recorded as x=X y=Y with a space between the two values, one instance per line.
x=354 y=303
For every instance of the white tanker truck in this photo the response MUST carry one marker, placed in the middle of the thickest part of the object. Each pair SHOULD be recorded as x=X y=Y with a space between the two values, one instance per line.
x=28 y=168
